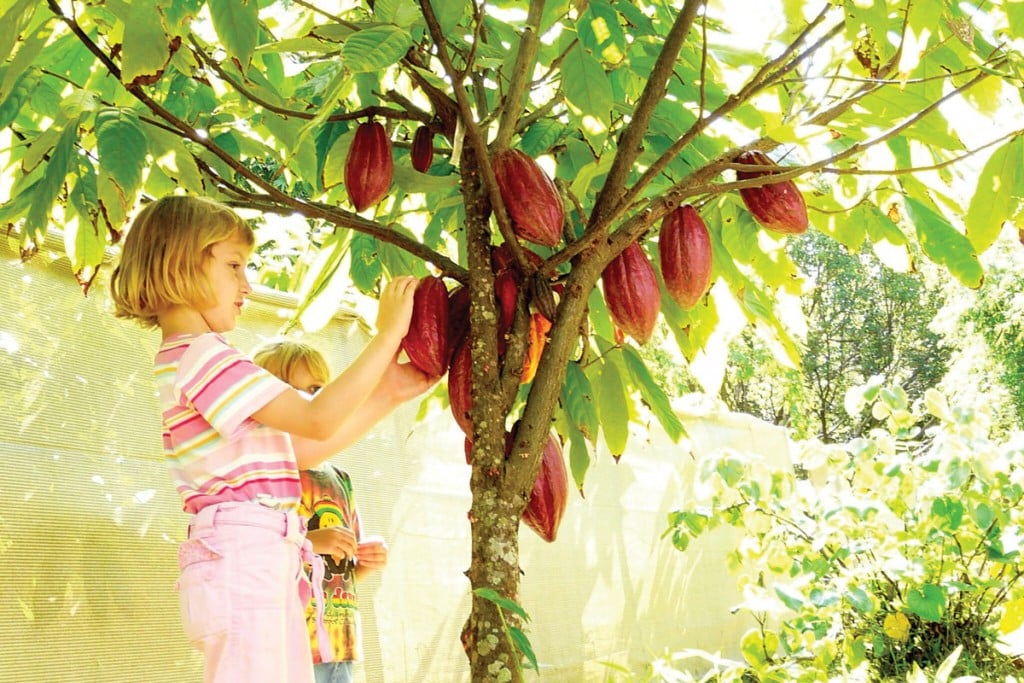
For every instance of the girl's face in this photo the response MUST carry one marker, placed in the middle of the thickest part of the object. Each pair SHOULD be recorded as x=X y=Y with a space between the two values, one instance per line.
x=302 y=379
x=225 y=269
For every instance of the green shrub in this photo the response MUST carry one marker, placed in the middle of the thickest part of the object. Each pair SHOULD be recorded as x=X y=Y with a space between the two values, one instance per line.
x=888 y=558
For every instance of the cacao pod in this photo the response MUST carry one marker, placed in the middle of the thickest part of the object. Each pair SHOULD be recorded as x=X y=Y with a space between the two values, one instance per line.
x=426 y=342
x=776 y=206
x=506 y=290
x=631 y=292
x=532 y=200
x=460 y=398
x=539 y=328
x=684 y=252
x=369 y=166
x=458 y=318
x=550 y=493
x=422 y=149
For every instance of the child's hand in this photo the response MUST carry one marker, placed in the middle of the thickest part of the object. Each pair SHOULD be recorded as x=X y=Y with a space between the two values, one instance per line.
x=336 y=541
x=372 y=554
x=404 y=381
x=395 y=310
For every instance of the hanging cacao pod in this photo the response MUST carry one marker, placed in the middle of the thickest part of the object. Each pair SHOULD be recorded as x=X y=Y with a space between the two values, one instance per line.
x=426 y=342
x=684 y=252
x=631 y=292
x=460 y=398
x=776 y=206
x=458 y=318
x=532 y=200
x=550 y=493
x=369 y=166
x=422 y=149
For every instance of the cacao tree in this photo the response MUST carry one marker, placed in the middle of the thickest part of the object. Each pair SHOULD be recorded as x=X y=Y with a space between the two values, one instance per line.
x=564 y=133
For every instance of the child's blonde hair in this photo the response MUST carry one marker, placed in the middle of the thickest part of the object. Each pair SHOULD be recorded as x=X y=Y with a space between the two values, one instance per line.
x=163 y=252
x=280 y=358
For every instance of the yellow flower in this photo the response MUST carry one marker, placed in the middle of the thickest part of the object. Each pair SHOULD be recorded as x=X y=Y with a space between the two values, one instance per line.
x=897 y=627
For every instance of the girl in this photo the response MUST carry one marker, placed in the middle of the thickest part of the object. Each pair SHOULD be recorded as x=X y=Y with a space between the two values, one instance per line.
x=235 y=436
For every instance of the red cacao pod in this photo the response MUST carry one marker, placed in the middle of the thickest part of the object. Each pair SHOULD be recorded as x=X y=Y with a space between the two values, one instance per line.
x=684 y=252
x=369 y=166
x=422 y=149
x=532 y=200
x=631 y=292
x=460 y=398
x=550 y=493
x=776 y=206
x=426 y=342
x=506 y=290
x=458 y=318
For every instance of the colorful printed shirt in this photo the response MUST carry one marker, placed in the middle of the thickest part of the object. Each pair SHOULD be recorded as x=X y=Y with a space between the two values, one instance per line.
x=327 y=501
x=217 y=452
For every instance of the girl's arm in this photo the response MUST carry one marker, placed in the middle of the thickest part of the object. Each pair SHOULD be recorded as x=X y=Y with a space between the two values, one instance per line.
x=361 y=383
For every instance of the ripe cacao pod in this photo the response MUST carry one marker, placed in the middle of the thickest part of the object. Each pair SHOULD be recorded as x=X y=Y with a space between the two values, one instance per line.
x=422 y=149
x=631 y=292
x=550 y=492
x=458 y=318
x=532 y=200
x=776 y=206
x=684 y=252
x=539 y=328
x=426 y=342
x=460 y=398
x=369 y=166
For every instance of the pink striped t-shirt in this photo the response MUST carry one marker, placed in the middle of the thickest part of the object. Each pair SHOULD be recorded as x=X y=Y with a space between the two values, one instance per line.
x=216 y=451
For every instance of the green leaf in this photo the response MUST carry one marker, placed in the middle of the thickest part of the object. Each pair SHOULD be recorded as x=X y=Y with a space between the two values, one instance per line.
x=790 y=598
x=522 y=644
x=579 y=456
x=860 y=599
x=998 y=194
x=942 y=243
x=612 y=402
x=237 y=25
x=578 y=402
x=13 y=22
x=366 y=268
x=122 y=148
x=541 y=136
x=375 y=48
x=501 y=601
x=449 y=13
x=586 y=85
x=927 y=602
x=653 y=395
x=62 y=161
x=145 y=50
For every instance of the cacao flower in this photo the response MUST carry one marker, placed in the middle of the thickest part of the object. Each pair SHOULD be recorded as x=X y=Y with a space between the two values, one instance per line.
x=684 y=251
x=631 y=292
x=369 y=166
x=426 y=342
x=460 y=398
x=776 y=206
x=532 y=200
x=422 y=149
x=550 y=492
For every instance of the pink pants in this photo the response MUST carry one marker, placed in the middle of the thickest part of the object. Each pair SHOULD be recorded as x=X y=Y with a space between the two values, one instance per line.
x=243 y=593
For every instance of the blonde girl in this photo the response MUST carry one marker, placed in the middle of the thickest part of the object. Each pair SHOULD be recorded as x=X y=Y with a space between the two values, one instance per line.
x=235 y=436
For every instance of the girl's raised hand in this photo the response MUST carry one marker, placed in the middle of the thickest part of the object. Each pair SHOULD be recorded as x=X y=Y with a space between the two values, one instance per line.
x=395 y=310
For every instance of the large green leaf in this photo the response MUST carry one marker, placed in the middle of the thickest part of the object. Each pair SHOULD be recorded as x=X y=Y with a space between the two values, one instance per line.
x=146 y=48
x=578 y=402
x=237 y=25
x=998 y=194
x=375 y=48
x=944 y=244
x=61 y=162
x=586 y=85
x=122 y=148
x=612 y=408
x=653 y=395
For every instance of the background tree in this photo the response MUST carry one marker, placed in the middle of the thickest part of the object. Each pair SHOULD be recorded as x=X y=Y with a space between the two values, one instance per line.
x=864 y=321
x=635 y=107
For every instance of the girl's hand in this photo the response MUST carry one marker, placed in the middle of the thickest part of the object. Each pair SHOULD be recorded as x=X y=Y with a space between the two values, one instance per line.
x=336 y=541
x=372 y=554
x=395 y=309
x=404 y=381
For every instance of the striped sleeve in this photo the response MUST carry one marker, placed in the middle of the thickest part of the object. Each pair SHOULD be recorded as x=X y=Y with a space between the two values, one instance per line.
x=222 y=384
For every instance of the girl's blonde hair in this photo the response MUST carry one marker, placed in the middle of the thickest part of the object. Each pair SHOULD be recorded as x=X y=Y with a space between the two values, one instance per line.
x=281 y=358
x=163 y=253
